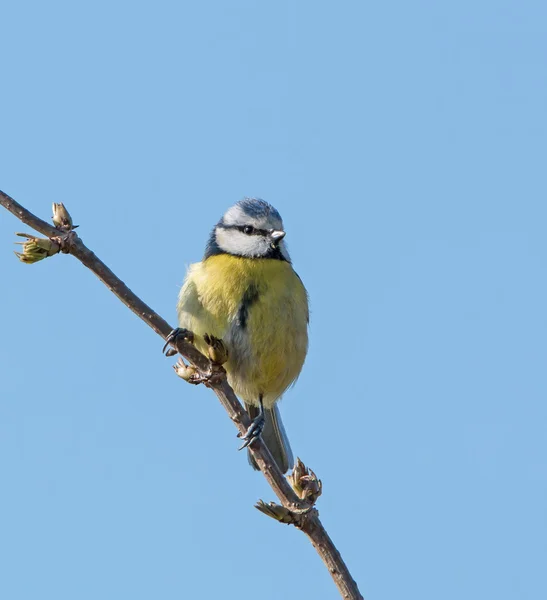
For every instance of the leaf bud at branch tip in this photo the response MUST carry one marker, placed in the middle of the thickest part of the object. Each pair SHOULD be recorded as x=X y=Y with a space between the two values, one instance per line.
x=61 y=217
x=216 y=349
x=184 y=371
x=275 y=511
x=305 y=482
x=36 y=249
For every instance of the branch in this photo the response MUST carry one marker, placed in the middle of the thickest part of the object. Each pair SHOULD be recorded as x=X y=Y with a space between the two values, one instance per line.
x=296 y=501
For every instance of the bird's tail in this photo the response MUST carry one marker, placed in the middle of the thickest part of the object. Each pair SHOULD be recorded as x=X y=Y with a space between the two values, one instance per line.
x=274 y=436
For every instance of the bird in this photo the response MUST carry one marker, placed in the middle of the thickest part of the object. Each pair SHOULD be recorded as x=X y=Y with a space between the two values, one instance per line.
x=246 y=293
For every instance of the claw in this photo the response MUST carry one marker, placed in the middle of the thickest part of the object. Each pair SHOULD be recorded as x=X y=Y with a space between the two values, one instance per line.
x=255 y=428
x=178 y=332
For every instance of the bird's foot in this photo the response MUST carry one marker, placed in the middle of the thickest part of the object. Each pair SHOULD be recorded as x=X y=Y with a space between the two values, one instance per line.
x=254 y=432
x=185 y=334
x=255 y=428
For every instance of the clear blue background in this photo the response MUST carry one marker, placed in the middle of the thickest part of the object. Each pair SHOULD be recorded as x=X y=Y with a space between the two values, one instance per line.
x=404 y=143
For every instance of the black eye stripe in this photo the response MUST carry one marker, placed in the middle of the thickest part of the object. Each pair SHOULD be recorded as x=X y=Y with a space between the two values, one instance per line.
x=242 y=228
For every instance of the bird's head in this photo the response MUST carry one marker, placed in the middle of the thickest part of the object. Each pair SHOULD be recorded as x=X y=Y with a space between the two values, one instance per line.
x=251 y=228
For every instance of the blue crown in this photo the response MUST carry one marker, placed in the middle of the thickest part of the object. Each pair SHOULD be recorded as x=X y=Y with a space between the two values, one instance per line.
x=257 y=208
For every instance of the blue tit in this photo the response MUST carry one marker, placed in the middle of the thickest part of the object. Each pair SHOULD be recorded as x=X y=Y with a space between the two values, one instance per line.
x=246 y=292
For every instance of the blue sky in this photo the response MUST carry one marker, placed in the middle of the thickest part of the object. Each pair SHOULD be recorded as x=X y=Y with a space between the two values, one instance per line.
x=405 y=146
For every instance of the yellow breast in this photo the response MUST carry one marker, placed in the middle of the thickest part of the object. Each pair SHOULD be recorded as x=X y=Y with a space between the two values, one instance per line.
x=259 y=307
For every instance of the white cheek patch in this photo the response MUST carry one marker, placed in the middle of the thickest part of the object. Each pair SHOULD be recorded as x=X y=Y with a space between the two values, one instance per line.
x=236 y=242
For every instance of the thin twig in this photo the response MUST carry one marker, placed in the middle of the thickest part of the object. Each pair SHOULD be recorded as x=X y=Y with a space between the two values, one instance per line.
x=306 y=517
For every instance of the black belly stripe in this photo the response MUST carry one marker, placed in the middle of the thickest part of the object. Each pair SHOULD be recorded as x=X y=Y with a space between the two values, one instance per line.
x=249 y=298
